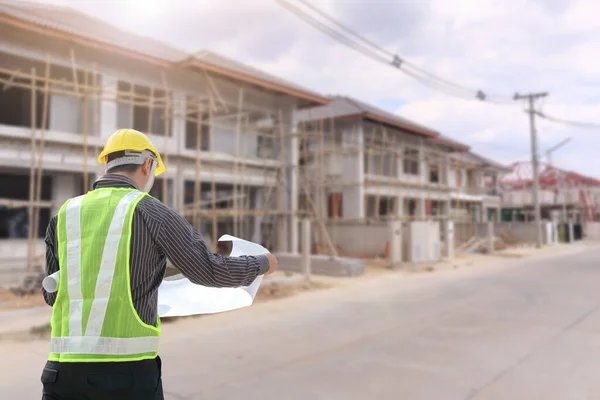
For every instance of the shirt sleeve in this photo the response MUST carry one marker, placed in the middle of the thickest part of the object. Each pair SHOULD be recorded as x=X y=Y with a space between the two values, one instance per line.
x=188 y=252
x=51 y=258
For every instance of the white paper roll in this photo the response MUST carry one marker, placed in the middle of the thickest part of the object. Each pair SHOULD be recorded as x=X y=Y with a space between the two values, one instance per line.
x=50 y=283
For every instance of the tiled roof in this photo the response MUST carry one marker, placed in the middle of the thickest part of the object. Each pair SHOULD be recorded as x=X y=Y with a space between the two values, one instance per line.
x=73 y=22
x=341 y=106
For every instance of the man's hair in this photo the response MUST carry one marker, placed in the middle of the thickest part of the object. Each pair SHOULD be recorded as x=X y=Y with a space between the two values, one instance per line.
x=127 y=168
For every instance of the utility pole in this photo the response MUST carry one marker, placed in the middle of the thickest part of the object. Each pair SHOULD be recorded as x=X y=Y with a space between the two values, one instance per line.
x=532 y=97
x=559 y=176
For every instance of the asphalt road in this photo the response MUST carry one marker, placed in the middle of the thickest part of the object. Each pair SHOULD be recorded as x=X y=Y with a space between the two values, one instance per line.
x=528 y=331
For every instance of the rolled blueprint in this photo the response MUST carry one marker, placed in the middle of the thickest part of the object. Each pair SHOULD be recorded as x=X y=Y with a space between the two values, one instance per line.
x=181 y=297
x=50 y=283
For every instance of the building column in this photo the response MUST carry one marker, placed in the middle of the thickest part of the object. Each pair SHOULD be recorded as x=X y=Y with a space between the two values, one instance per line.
x=178 y=123
x=109 y=108
x=294 y=193
x=421 y=207
x=65 y=185
x=353 y=173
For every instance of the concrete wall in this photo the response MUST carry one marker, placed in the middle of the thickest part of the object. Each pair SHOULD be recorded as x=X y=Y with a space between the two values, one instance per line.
x=358 y=239
x=13 y=260
x=592 y=230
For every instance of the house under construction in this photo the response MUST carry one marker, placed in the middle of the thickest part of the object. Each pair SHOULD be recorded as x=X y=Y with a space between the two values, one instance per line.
x=564 y=196
x=246 y=153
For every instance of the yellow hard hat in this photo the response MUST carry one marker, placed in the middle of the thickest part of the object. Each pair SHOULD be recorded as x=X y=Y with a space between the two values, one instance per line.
x=130 y=139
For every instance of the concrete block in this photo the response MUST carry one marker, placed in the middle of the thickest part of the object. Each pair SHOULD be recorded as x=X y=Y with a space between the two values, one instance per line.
x=395 y=231
x=322 y=265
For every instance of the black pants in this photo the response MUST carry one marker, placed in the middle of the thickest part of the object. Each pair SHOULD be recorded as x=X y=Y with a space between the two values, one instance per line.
x=137 y=380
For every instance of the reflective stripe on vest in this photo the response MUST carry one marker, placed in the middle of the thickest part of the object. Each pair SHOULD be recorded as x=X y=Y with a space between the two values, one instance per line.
x=90 y=340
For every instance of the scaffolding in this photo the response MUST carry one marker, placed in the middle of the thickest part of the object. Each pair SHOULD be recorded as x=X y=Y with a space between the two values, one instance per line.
x=308 y=158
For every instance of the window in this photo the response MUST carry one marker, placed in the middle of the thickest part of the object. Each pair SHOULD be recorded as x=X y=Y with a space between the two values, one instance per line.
x=15 y=105
x=434 y=176
x=265 y=146
x=334 y=209
x=192 y=131
x=14 y=222
x=385 y=206
x=145 y=109
x=411 y=162
x=411 y=207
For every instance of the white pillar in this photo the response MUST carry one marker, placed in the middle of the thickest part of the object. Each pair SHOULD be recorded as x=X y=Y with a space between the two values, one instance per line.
x=178 y=123
x=294 y=187
x=490 y=237
x=449 y=238
x=421 y=207
x=306 y=245
x=109 y=108
x=395 y=238
x=65 y=185
x=259 y=198
x=571 y=232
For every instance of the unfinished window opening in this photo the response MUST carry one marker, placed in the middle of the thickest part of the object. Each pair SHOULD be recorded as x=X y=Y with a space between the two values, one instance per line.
x=384 y=207
x=334 y=209
x=15 y=103
x=158 y=193
x=411 y=207
x=144 y=109
x=265 y=144
x=434 y=174
x=14 y=222
x=191 y=128
x=411 y=162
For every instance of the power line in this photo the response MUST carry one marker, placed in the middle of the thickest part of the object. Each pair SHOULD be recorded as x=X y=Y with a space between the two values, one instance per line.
x=359 y=43
x=579 y=124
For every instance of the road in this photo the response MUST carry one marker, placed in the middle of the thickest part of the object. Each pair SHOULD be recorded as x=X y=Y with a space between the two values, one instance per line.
x=526 y=331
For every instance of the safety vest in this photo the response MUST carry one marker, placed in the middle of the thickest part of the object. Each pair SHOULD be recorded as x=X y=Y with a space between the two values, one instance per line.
x=93 y=317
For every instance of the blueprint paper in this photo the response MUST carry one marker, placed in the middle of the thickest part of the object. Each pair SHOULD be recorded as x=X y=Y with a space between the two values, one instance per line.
x=181 y=297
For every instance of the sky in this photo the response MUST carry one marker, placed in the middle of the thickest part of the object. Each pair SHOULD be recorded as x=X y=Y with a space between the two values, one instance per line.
x=498 y=46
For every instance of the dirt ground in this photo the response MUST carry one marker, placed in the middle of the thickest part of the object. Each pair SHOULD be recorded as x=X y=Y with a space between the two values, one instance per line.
x=10 y=301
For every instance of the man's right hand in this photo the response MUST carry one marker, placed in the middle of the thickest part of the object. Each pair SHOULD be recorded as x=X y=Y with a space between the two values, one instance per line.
x=272 y=263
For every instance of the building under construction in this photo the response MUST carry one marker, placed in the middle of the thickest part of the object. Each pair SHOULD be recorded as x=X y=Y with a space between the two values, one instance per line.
x=246 y=153
x=564 y=196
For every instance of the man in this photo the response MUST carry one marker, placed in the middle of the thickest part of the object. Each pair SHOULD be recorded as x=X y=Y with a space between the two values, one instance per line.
x=111 y=246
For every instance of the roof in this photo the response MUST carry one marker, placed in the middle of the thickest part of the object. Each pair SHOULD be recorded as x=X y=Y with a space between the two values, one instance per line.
x=205 y=59
x=492 y=164
x=521 y=177
x=70 y=24
x=342 y=106
x=446 y=141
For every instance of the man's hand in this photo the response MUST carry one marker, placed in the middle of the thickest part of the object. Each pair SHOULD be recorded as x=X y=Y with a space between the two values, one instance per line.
x=272 y=263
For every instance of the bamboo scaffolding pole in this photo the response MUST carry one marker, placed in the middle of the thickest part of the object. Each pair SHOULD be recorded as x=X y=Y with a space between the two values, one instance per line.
x=323 y=169
x=213 y=185
x=245 y=190
x=96 y=117
x=30 y=208
x=199 y=131
x=238 y=128
x=150 y=110
x=40 y=162
x=167 y=131
x=282 y=175
x=339 y=198
x=85 y=124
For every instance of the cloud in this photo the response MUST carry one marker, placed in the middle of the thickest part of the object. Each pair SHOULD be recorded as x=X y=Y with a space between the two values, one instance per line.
x=498 y=46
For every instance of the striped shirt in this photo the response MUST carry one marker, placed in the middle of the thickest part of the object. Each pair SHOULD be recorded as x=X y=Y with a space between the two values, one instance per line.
x=158 y=234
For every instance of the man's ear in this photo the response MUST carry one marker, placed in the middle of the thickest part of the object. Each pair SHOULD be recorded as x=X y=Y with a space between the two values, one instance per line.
x=147 y=166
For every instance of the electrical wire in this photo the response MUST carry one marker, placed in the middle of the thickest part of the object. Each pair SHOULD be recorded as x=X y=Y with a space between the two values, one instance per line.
x=578 y=124
x=359 y=43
